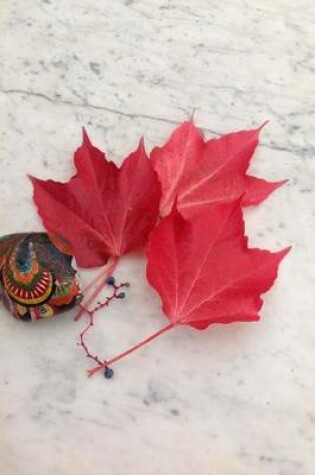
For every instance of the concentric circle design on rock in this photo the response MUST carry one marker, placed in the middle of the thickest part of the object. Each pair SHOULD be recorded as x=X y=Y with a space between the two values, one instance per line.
x=38 y=291
x=37 y=279
x=24 y=278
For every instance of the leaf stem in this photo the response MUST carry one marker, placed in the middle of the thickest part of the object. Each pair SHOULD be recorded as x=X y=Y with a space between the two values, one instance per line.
x=93 y=282
x=131 y=350
x=108 y=272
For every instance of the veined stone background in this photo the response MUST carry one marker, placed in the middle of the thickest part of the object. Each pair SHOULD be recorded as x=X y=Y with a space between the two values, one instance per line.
x=232 y=400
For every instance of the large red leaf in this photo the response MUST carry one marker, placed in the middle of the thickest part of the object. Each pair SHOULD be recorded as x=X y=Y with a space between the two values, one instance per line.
x=103 y=210
x=204 y=271
x=198 y=172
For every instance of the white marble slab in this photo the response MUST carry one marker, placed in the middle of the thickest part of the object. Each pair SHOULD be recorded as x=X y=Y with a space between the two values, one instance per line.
x=236 y=400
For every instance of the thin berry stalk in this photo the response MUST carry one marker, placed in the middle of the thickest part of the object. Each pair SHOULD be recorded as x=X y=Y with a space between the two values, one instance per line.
x=82 y=335
x=90 y=314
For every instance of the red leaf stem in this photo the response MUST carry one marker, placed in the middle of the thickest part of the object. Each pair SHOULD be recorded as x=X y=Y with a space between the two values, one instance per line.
x=130 y=350
x=108 y=272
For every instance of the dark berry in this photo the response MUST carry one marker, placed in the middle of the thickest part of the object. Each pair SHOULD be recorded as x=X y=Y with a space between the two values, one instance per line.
x=110 y=280
x=108 y=373
x=121 y=295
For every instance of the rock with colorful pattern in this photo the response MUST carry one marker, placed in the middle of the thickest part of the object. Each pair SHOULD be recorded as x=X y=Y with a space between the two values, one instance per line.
x=37 y=277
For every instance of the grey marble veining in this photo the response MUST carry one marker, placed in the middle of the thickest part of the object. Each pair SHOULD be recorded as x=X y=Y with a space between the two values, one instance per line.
x=235 y=400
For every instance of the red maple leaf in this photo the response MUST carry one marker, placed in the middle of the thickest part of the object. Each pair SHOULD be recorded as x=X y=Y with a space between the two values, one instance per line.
x=104 y=211
x=196 y=172
x=203 y=270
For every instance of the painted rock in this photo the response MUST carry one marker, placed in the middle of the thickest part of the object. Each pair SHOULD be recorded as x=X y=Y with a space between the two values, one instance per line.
x=37 y=277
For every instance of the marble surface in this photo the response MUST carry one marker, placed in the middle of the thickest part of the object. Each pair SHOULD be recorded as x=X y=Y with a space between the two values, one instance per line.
x=236 y=400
